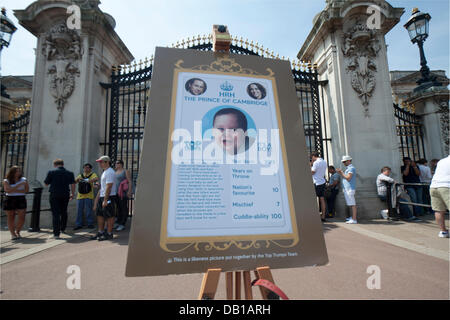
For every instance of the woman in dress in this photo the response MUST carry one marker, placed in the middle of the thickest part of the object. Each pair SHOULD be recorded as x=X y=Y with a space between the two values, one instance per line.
x=15 y=187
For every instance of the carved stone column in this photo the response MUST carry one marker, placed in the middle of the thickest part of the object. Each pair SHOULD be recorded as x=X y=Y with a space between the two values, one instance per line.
x=67 y=118
x=347 y=42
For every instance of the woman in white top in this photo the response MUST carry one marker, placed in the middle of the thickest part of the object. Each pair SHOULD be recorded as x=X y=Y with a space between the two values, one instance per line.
x=15 y=187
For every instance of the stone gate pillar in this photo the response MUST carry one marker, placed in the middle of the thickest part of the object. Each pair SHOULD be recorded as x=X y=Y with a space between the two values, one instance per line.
x=347 y=42
x=432 y=105
x=68 y=103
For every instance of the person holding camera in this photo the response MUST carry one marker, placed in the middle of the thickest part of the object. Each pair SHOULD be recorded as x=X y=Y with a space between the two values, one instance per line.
x=85 y=197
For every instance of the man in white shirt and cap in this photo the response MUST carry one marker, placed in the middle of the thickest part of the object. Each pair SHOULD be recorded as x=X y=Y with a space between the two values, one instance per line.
x=349 y=184
x=105 y=202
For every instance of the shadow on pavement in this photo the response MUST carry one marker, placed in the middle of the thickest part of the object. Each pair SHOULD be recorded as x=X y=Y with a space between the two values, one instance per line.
x=329 y=226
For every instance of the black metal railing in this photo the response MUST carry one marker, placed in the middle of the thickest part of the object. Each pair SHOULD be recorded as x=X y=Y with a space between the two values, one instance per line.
x=394 y=207
x=409 y=133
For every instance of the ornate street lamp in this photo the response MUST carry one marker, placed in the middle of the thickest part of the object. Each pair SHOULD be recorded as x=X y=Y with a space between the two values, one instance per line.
x=418 y=29
x=7 y=28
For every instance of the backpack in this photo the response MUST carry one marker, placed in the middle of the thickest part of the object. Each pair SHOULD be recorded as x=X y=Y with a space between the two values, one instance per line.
x=83 y=186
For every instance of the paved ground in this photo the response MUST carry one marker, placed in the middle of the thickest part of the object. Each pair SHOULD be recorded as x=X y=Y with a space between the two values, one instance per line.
x=414 y=264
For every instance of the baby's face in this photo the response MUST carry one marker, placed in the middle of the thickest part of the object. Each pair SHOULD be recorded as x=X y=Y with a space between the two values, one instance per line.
x=228 y=134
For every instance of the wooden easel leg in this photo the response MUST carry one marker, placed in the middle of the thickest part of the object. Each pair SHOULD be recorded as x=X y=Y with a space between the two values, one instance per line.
x=264 y=273
x=209 y=284
x=237 y=280
x=229 y=285
x=248 y=286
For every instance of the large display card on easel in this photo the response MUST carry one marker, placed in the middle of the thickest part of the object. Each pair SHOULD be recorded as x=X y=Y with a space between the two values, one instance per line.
x=224 y=177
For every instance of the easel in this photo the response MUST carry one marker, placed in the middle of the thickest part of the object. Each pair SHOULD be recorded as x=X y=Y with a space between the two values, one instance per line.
x=211 y=281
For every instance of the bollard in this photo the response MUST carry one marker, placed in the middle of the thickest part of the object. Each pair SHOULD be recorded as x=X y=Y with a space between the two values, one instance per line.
x=36 y=211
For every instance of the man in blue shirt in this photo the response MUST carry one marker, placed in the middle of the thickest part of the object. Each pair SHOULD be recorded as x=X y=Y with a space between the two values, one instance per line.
x=333 y=186
x=349 y=186
x=62 y=189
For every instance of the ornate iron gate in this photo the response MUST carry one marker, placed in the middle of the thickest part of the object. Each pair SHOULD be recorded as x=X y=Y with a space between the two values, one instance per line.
x=128 y=97
x=15 y=138
x=409 y=132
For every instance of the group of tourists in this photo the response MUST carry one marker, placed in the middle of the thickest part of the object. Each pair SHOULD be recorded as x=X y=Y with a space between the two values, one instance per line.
x=327 y=191
x=115 y=189
x=108 y=197
x=422 y=185
x=427 y=187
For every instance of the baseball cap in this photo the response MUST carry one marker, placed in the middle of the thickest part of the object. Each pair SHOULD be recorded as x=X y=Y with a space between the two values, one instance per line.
x=103 y=158
x=346 y=158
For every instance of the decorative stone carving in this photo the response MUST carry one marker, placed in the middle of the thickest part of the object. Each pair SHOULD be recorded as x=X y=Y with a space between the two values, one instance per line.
x=360 y=49
x=443 y=110
x=62 y=48
x=62 y=83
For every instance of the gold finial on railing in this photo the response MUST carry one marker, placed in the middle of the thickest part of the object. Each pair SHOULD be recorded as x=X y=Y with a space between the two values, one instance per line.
x=252 y=45
x=315 y=66
x=304 y=64
x=246 y=43
x=113 y=69
x=309 y=65
x=151 y=59
x=28 y=105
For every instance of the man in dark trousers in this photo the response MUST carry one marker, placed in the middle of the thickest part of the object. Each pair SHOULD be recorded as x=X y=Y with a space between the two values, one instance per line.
x=62 y=189
x=411 y=174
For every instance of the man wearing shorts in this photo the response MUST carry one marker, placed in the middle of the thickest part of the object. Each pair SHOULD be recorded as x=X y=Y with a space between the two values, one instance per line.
x=349 y=184
x=440 y=194
x=318 y=169
x=105 y=202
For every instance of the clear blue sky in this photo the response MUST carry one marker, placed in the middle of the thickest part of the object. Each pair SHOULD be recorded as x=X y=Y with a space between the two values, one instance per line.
x=280 y=25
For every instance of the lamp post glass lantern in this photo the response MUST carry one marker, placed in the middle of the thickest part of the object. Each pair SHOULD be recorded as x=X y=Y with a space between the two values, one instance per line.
x=418 y=30
x=7 y=28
